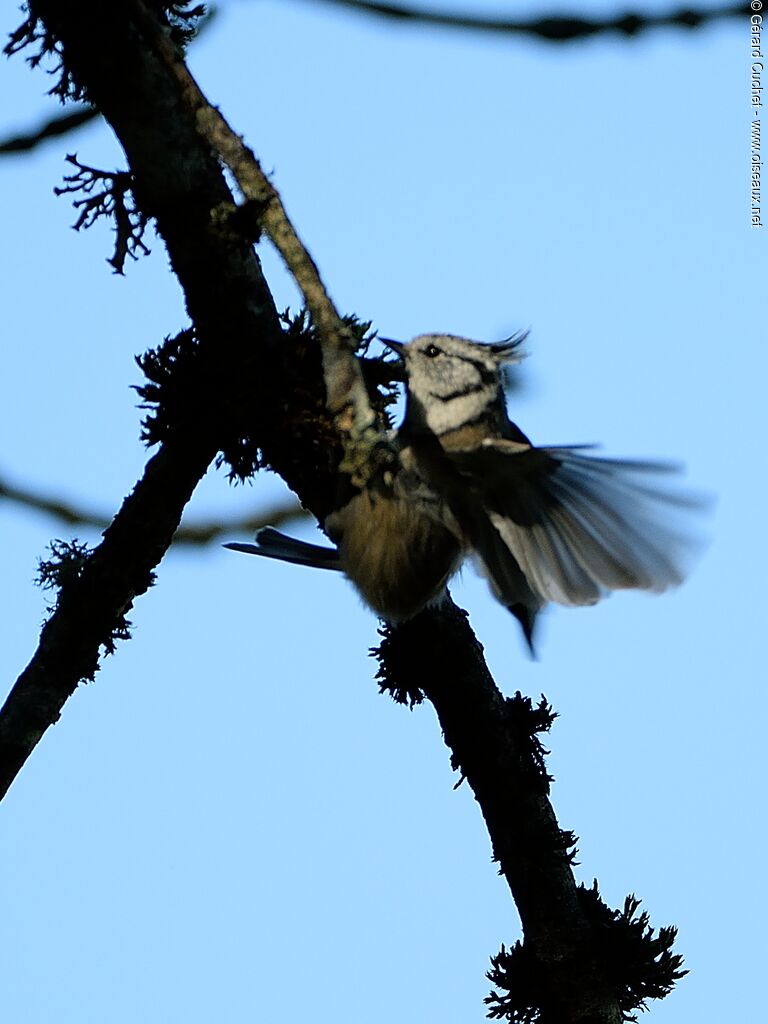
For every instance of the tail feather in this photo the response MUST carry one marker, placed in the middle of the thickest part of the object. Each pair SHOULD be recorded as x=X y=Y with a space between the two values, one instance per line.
x=270 y=543
x=500 y=566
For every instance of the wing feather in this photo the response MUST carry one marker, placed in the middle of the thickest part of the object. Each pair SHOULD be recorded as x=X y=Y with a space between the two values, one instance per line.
x=577 y=525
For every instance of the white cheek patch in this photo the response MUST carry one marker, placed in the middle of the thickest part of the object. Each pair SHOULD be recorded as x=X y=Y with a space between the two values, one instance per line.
x=444 y=415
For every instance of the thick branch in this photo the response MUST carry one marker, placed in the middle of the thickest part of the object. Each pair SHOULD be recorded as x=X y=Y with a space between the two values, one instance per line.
x=346 y=393
x=74 y=119
x=493 y=747
x=91 y=607
x=135 y=83
x=180 y=183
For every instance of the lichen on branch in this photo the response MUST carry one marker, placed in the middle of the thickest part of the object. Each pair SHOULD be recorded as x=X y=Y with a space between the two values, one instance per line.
x=108 y=194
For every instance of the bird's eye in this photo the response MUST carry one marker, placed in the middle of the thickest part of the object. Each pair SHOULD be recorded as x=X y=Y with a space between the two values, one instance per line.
x=431 y=351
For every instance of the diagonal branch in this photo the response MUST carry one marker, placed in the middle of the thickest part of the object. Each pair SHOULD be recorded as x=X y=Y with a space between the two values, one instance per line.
x=579 y=962
x=437 y=655
x=133 y=79
x=346 y=394
x=181 y=182
x=92 y=607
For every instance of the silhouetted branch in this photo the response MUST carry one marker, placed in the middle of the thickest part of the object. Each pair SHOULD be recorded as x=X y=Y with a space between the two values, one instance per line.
x=638 y=963
x=226 y=295
x=580 y=960
x=90 y=613
x=199 y=533
x=555 y=28
x=60 y=125
x=346 y=394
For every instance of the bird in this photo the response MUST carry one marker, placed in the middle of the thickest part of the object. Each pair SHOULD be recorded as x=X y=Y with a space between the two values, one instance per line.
x=543 y=524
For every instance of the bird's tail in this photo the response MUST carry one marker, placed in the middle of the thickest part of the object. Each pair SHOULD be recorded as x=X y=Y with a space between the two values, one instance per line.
x=272 y=544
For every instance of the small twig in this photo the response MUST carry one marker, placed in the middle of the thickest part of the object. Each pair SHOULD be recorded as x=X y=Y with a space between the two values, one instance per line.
x=199 y=533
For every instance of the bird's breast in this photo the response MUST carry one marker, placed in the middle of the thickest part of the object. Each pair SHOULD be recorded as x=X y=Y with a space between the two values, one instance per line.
x=398 y=555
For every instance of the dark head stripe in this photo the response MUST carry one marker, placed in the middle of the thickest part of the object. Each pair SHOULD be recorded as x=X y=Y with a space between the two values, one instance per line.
x=469 y=389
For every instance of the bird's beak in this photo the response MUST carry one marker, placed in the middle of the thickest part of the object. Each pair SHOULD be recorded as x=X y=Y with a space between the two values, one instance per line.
x=396 y=346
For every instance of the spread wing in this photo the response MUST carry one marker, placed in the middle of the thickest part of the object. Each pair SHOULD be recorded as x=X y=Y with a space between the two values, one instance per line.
x=577 y=525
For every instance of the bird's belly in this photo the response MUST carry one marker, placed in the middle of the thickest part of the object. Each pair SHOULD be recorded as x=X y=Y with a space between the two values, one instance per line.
x=398 y=558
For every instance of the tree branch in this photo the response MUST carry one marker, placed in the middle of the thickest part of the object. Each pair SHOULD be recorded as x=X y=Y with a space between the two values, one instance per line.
x=181 y=182
x=580 y=963
x=346 y=394
x=90 y=612
x=194 y=533
x=551 y=28
x=50 y=129
x=437 y=654
x=240 y=349
x=74 y=119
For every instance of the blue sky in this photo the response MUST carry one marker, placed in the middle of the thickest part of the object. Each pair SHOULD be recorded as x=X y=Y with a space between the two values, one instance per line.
x=231 y=823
